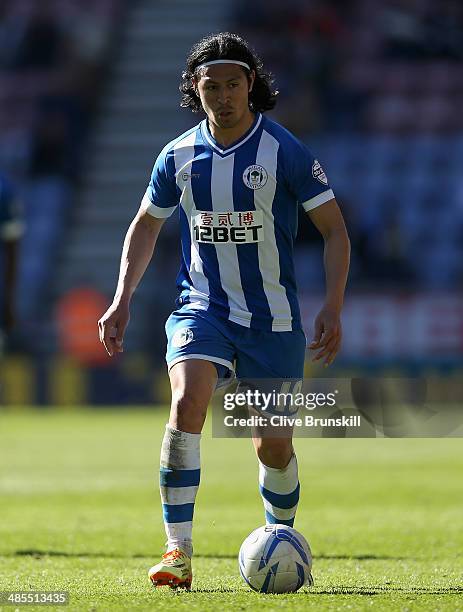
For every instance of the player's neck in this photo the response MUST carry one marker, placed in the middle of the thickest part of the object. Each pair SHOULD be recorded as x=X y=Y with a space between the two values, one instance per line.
x=227 y=136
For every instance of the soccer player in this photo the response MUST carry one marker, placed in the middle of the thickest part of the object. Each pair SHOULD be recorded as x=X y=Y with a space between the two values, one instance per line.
x=11 y=228
x=236 y=179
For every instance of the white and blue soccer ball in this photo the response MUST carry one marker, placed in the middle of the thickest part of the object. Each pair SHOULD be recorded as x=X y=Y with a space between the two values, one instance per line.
x=275 y=559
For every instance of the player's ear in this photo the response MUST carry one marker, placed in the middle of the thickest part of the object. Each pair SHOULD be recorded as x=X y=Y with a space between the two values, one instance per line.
x=252 y=78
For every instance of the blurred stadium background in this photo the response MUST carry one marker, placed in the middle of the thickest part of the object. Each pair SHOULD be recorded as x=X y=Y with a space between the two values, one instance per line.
x=88 y=97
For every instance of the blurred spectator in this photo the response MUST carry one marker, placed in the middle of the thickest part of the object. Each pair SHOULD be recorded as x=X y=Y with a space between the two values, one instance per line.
x=11 y=228
x=52 y=54
x=42 y=45
x=422 y=30
x=378 y=84
x=375 y=85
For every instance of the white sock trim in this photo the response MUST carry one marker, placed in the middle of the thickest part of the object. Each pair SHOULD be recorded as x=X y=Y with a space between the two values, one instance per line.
x=283 y=514
x=282 y=481
x=180 y=449
x=178 y=495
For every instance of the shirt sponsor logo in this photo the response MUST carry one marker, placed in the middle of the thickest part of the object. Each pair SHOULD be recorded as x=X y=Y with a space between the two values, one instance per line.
x=318 y=173
x=255 y=177
x=222 y=227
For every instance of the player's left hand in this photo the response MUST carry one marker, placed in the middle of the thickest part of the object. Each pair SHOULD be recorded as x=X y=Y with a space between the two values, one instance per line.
x=327 y=335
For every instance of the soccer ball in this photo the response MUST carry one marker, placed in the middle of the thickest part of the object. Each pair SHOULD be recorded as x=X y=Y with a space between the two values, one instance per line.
x=275 y=559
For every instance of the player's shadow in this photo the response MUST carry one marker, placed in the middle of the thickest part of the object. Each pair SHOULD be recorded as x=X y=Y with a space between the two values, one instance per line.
x=360 y=557
x=338 y=590
x=386 y=589
x=61 y=553
x=323 y=557
x=368 y=591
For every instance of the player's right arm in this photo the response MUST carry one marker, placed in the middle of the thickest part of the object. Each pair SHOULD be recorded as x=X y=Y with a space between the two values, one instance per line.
x=137 y=251
x=159 y=202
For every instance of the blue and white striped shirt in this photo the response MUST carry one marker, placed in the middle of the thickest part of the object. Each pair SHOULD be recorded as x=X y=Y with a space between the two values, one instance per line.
x=238 y=219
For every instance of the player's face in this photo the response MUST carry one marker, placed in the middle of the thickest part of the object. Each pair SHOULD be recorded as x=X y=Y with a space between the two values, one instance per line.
x=224 y=92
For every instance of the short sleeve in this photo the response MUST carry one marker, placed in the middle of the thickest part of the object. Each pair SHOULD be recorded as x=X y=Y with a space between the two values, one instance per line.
x=307 y=179
x=11 y=222
x=161 y=199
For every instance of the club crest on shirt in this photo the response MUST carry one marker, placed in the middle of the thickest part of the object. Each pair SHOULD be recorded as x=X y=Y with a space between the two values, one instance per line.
x=318 y=173
x=255 y=177
x=182 y=336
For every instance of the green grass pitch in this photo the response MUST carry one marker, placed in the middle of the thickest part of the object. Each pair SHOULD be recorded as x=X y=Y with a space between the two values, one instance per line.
x=80 y=512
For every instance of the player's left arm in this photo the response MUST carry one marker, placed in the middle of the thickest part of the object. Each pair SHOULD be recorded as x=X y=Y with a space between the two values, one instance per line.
x=329 y=221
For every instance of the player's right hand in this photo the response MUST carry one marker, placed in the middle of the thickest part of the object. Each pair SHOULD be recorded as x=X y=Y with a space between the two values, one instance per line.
x=112 y=326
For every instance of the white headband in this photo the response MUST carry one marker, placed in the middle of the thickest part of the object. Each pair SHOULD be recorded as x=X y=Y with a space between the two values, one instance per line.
x=223 y=61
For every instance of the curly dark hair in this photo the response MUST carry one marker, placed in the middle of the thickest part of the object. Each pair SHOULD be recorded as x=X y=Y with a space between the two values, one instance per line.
x=226 y=45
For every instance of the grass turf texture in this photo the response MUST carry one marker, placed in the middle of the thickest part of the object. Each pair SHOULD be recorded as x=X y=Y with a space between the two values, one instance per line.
x=81 y=512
